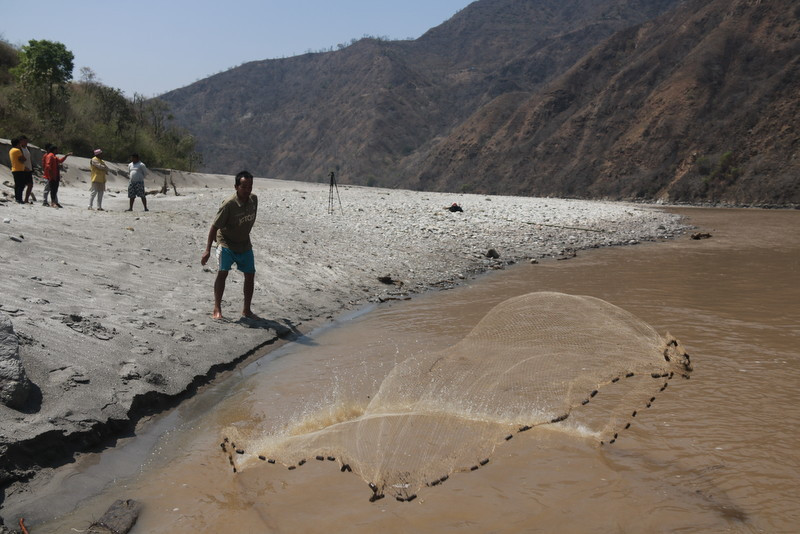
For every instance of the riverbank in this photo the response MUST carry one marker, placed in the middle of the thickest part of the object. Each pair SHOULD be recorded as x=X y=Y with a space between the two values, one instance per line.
x=112 y=309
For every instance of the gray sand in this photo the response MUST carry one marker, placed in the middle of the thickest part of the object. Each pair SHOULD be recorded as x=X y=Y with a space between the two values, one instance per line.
x=113 y=309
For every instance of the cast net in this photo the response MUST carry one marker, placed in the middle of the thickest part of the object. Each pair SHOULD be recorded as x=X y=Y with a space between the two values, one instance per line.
x=576 y=363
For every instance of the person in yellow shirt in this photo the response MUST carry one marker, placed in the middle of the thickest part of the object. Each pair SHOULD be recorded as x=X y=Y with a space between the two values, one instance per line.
x=18 y=170
x=99 y=170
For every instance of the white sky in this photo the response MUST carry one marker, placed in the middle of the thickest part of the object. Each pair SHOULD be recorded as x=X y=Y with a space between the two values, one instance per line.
x=150 y=47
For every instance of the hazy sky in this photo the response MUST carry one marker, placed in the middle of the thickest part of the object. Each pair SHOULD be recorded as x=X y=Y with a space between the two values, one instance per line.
x=151 y=47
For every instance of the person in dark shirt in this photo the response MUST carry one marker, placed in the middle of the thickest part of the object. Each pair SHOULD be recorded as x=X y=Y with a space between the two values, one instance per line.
x=231 y=230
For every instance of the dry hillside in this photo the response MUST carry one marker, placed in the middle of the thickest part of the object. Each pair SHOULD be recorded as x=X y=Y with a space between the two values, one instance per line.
x=699 y=105
x=687 y=101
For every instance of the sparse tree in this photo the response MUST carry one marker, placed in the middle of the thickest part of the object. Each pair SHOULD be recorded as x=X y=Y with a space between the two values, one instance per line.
x=156 y=110
x=115 y=110
x=139 y=105
x=88 y=76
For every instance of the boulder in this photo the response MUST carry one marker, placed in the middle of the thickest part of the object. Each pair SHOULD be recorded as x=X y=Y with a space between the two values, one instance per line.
x=14 y=383
x=119 y=519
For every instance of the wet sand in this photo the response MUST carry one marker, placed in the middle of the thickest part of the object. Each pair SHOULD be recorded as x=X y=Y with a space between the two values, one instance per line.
x=112 y=309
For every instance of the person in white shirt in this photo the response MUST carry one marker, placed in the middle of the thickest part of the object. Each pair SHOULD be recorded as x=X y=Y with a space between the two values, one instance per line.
x=23 y=145
x=136 y=172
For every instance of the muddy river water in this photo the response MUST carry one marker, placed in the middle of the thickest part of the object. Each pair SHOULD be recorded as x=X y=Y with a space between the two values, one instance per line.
x=717 y=453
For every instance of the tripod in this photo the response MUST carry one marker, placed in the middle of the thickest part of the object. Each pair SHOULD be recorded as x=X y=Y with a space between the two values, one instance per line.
x=330 y=194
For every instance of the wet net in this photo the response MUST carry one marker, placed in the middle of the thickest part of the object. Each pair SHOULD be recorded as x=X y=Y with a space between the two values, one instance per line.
x=575 y=363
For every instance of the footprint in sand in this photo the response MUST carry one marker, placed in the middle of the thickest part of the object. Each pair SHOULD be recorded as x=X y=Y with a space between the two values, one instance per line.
x=68 y=377
x=49 y=283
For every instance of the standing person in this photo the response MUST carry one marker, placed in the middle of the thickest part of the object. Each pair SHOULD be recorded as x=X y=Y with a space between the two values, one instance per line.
x=47 y=147
x=23 y=145
x=99 y=170
x=17 y=169
x=51 y=165
x=136 y=171
x=231 y=230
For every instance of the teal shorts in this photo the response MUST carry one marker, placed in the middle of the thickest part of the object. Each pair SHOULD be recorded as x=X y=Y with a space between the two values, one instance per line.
x=245 y=262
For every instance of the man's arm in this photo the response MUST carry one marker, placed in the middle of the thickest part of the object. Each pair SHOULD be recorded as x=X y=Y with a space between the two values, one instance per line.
x=212 y=236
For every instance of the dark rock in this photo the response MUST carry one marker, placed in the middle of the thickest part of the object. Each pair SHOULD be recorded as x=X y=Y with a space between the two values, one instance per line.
x=567 y=254
x=14 y=383
x=156 y=379
x=701 y=235
x=118 y=519
x=492 y=253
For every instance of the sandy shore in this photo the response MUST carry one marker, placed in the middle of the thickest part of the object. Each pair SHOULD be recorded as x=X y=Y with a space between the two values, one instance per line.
x=112 y=309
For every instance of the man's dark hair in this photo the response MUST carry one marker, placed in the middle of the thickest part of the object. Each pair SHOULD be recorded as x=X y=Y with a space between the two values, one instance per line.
x=135 y=155
x=15 y=141
x=242 y=174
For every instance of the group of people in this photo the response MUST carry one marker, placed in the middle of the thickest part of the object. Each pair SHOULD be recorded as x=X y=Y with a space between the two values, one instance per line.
x=230 y=229
x=22 y=171
x=136 y=173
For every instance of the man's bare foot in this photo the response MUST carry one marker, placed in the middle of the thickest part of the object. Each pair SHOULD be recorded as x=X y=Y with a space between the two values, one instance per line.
x=217 y=315
x=250 y=315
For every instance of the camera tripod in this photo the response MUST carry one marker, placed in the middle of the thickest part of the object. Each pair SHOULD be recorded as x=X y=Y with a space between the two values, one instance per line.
x=330 y=194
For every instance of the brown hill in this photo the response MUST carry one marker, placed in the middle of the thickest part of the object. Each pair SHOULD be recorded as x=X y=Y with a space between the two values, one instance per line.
x=367 y=108
x=699 y=105
x=590 y=98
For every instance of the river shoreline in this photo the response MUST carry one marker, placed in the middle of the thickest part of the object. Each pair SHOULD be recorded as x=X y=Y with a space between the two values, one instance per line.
x=112 y=309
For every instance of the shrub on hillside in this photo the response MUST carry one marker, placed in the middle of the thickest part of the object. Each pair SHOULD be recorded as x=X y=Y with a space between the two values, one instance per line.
x=81 y=116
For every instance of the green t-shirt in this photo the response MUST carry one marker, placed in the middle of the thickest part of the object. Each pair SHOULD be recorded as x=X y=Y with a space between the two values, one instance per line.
x=234 y=221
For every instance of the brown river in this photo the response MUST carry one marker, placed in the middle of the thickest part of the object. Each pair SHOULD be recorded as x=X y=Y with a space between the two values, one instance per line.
x=717 y=453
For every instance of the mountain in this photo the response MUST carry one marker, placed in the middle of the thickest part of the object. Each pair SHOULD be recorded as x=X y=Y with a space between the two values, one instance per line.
x=369 y=106
x=700 y=104
x=680 y=100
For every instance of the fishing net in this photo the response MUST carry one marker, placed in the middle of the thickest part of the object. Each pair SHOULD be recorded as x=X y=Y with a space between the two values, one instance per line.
x=575 y=363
